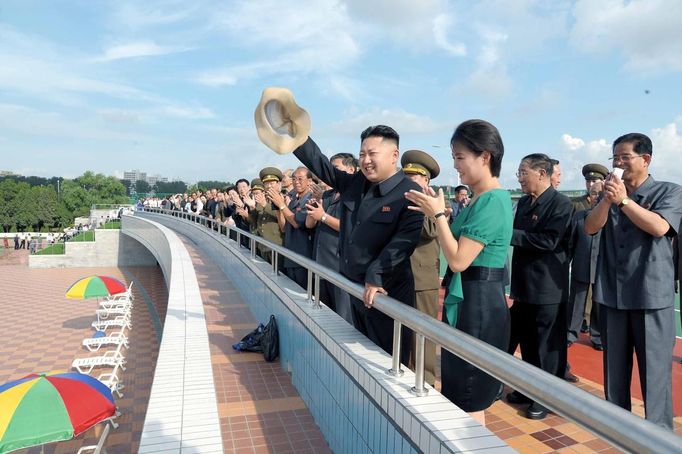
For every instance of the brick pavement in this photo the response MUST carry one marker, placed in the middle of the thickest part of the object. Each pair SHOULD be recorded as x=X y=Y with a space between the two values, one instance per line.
x=260 y=410
x=42 y=331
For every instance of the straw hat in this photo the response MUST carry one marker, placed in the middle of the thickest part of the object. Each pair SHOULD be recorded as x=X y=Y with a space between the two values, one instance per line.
x=281 y=124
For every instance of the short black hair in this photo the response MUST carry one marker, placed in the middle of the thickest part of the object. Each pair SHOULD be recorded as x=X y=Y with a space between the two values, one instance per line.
x=385 y=132
x=641 y=143
x=460 y=187
x=347 y=159
x=555 y=162
x=479 y=136
x=242 y=180
x=539 y=161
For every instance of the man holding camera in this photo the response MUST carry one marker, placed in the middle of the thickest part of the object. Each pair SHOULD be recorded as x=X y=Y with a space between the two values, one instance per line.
x=637 y=217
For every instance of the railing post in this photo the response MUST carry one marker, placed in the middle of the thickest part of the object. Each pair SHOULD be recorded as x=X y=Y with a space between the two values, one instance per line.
x=396 y=370
x=310 y=285
x=418 y=388
x=253 y=248
x=239 y=239
x=275 y=259
x=317 y=290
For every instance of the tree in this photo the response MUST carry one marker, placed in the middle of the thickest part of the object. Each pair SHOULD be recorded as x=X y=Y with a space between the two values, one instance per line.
x=210 y=184
x=142 y=186
x=46 y=205
x=171 y=187
x=8 y=192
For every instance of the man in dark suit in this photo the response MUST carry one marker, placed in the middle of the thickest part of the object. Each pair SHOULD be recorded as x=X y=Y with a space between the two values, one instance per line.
x=377 y=232
x=539 y=282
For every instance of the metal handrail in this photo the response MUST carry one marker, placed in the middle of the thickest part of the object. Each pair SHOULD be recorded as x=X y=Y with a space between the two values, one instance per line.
x=606 y=420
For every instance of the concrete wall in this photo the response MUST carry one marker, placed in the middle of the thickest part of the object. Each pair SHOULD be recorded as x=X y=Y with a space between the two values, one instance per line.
x=339 y=373
x=110 y=248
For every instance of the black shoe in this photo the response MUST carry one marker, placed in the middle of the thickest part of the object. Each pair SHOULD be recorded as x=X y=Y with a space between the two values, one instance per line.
x=536 y=411
x=584 y=328
x=571 y=378
x=500 y=392
x=598 y=347
x=516 y=397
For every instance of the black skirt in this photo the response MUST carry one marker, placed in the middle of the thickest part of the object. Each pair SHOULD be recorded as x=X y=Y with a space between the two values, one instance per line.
x=484 y=314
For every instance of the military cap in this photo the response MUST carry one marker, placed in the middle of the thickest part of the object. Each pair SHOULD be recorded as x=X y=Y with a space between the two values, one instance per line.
x=270 y=174
x=419 y=162
x=256 y=183
x=595 y=172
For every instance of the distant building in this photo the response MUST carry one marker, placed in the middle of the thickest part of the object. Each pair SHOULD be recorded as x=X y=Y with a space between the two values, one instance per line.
x=134 y=175
x=8 y=173
x=153 y=179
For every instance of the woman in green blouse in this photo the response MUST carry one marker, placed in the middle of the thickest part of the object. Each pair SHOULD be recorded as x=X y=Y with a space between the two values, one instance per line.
x=475 y=247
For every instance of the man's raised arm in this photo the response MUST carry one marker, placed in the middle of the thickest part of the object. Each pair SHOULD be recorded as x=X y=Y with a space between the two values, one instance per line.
x=310 y=156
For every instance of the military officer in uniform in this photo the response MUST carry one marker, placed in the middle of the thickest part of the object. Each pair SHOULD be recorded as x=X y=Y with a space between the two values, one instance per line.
x=425 y=261
x=584 y=250
x=264 y=215
x=257 y=192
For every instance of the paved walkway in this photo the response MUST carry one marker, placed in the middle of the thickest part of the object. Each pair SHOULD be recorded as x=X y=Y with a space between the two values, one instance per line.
x=42 y=331
x=260 y=410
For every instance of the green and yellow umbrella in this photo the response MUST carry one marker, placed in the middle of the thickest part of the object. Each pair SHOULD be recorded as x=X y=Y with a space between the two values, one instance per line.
x=96 y=287
x=53 y=406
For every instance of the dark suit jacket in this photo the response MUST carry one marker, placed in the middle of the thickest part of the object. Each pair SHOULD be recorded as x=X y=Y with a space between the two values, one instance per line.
x=378 y=233
x=584 y=249
x=540 y=240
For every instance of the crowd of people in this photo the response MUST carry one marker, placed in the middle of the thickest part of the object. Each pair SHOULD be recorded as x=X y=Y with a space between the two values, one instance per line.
x=604 y=263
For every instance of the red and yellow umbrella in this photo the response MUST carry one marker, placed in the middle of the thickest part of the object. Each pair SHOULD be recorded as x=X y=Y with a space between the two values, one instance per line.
x=95 y=287
x=54 y=406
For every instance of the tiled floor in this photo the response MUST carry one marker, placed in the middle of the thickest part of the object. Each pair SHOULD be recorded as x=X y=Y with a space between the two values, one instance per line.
x=42 y=331
x=260 y=410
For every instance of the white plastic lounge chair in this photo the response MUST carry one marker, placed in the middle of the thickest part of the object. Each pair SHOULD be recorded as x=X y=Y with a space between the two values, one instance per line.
x=108 y=304
x=118 y=337
x=119 y=321
x=99 y=447
x=112 y=312
x=112 y=380
x=111 y=358
x=128 y=294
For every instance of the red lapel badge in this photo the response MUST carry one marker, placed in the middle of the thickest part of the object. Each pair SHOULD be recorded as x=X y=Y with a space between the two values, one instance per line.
x=385 y=209
x=534 y=217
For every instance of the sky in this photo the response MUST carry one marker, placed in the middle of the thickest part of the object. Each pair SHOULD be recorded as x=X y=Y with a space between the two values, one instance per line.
x=170 y=87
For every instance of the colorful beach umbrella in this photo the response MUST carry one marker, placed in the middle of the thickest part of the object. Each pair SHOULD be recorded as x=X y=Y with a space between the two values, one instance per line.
x=96 y=287
x=54 y=406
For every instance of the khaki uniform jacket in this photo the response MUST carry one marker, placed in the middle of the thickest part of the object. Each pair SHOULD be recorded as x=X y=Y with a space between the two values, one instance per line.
x=425 y=259
x=264 y=221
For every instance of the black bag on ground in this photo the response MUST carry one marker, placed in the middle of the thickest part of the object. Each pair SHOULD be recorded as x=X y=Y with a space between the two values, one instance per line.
x=252 y=341
x=270 y=340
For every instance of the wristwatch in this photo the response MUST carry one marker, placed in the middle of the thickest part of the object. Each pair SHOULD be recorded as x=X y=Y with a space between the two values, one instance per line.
x=324 y=219
x=437 y=215
x=624 y=202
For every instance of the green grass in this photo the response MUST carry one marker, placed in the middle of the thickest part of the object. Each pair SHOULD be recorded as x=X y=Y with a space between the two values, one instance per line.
x=84 y=236
x=113 y=224
x=54 y=249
